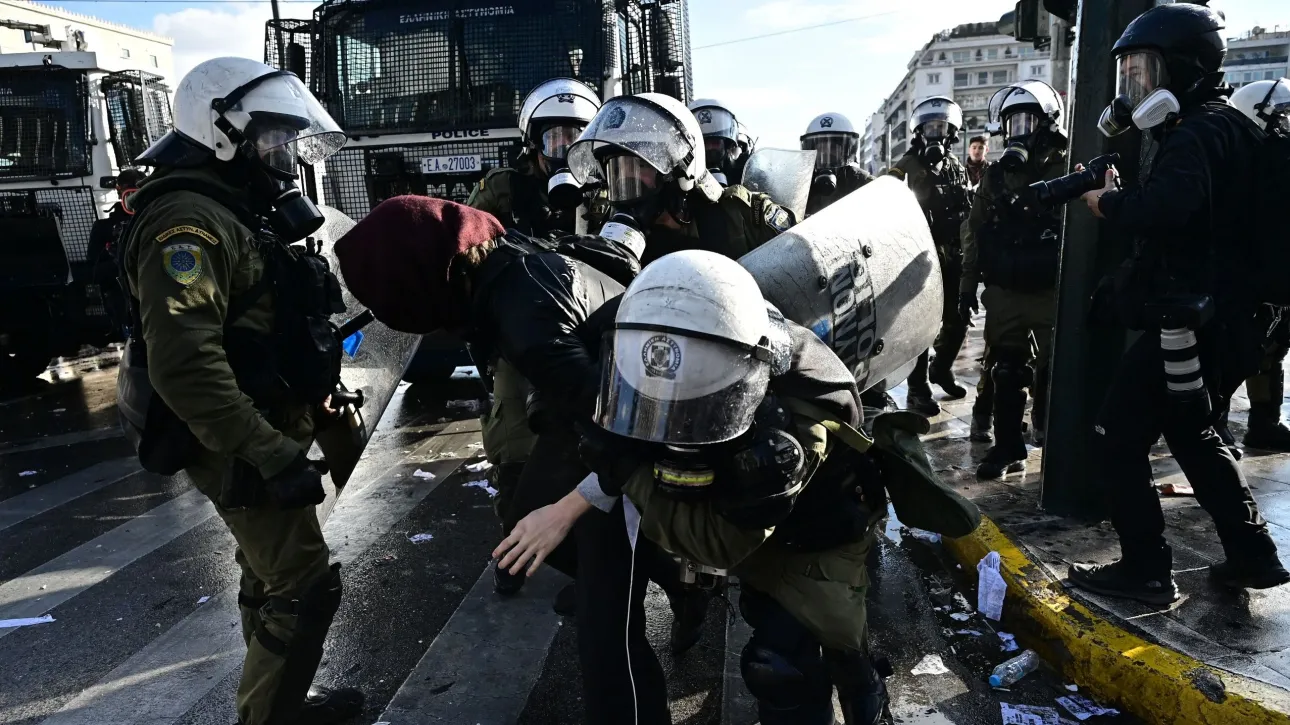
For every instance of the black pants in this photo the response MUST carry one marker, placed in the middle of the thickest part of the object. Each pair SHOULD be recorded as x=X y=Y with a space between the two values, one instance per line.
x=1136 y=412
x=551 y=472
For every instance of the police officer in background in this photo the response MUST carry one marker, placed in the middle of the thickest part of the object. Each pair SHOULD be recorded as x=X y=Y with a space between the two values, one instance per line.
x=646 y=151
x=723 y=150
x=225 y=376
x=837 y=160
x=1187 y=286
x=551 y=119
x=939 y=182
x=1011 y=243
x=734 y=433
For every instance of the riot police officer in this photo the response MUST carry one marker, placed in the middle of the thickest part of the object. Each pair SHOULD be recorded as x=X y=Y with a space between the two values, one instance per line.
x=725 y=144
x=551 y=117
x=1188 y=287
x=1011 y=244
x=937 y=178
x=646 y=151
x=837 y=160
x=734 y=433
x=225 y=379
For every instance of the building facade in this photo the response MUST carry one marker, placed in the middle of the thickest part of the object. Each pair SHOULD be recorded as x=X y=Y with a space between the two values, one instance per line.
x=968 y=64
x=1259 y=55
x=117 y=47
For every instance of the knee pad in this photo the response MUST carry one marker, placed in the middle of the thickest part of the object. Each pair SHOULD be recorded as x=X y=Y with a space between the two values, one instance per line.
x=1011 y=372
x=314 y=611
x=783 y=680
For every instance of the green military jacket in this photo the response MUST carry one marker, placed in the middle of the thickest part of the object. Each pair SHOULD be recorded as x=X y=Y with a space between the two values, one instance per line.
x=942 y=193
x=986 y=203
x=500 y=193
x=739 y=222
x=184 y=259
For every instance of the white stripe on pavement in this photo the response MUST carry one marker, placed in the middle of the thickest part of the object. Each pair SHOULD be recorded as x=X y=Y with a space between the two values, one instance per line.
x=164 y=680
x=60 y=579
x=65 y=439
x=486 y=659
x=17 y=509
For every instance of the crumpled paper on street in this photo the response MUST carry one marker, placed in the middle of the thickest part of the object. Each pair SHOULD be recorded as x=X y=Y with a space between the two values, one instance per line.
x=25 y=621
x=1083 y=708
x=960 y=616
x=1028 y=715
x=423 y=474
x=1009 y=642
x=478 y=467
x=481 y=484
x=930 y=665
x=991 y=588
x=420 y=538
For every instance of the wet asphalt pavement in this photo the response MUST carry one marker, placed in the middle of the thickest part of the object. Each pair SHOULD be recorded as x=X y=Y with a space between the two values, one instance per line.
x=137 y=572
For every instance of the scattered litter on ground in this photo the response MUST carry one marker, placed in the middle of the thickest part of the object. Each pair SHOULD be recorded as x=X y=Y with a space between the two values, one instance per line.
x=27 y=473
x=1177 y=489
x=478 y=467
x=922 y=535
x=476 y=444
x=25 y=621
x=930 y=665
x=465 y=371
x=59 y=410
x=423 y=474
x=969 y=632
x=1073 y=688
x=991 y=589
x=481 y=484
x=962 y=603
x=1083 y=708
x=467 y=405
x=1009 y=642
x=420 y=538
x=1028 y=715
x=203 y=600
x=960 y=616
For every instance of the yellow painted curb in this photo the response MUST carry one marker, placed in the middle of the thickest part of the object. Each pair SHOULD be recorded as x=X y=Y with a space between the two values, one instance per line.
x=1153 y=682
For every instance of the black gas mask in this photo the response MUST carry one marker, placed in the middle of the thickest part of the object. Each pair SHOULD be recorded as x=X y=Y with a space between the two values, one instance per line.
x=269 y=161
x=1024 y=131
x=721 y=155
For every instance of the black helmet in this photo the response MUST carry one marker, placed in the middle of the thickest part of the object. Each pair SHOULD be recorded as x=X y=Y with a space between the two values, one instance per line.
x=1187 y=37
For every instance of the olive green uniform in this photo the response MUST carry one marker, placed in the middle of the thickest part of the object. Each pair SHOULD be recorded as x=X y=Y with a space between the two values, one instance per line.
x=185 y=258
x=1266 y=391
x=737 y=223
x=1019 y=319
x=943 y=194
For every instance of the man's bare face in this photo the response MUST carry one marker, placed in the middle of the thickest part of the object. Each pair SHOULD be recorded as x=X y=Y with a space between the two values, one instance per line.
x=976 y=151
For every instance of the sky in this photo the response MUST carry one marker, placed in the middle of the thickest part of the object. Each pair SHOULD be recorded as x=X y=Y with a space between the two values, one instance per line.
x=775 y=85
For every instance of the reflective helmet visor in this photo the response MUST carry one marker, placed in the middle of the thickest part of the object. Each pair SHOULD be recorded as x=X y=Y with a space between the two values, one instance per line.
x=936 y=130
x=628 y=178
x=556 y=140
x=1140 y=73
x=275 y=141
x=638 y=127
x=832 y=150
x=1021 y=124
x=283 y=102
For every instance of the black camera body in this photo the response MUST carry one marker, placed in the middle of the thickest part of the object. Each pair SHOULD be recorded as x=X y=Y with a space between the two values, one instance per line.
x=1072 y=186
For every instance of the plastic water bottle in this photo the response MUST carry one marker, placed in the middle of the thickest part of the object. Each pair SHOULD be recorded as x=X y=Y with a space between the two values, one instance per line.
x=1014 y=669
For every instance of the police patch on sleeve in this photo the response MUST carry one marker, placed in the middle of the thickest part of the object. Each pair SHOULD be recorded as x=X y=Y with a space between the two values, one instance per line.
x=777 y=217
x=182 y=261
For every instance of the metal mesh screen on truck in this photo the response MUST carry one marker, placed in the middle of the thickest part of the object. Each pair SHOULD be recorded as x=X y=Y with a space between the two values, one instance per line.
x=43 y=114
x=655 y=38
x=294 y=40
x=394 y=66
x=72 y=206
x=138 y=109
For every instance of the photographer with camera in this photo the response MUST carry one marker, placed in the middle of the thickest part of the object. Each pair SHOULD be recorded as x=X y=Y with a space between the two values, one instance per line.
x=1011 y=243
x=1189 y=287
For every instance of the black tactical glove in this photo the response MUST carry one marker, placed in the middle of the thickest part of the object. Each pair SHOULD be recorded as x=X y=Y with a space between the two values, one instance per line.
x=611 y=457
x=762 y=481
x=967 y=306
x=297 y=486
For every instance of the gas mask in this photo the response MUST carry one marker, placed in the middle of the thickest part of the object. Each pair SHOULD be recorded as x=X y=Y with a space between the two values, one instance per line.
x=556 y=141
x=720 y=155
x=563 y=191
x=636 y=189
x=268 y=153
x=933 y=140
x=1022 y=130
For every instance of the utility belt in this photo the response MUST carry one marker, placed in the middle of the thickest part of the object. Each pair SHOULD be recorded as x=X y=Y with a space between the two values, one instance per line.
x=1025 y=266
x=297 y=363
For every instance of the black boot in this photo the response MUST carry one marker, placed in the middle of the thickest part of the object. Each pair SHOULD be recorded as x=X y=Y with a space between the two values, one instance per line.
x=689 y=608
x=877 y=399
x=980 y=432
x=566 y=601
x=330 y=707
x=506 y=583
x=859 y=682
x=1266 y=430
x=919 y=399
x=1149 y=584
x=1008 y=455
x=1225 y=435
x=1247 y=573
x=943 y=375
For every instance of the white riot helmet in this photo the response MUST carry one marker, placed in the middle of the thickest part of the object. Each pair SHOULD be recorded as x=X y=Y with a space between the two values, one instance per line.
x=833 y=139
x=693 y=348
x=720 y=131
x=638 y=144
x=240 y=109
x=937 y=119
x=555 y=113
x=1266 y=103
x=1023 y=108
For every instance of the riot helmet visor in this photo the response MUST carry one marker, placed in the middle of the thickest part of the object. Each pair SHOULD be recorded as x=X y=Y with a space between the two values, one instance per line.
x=663 y=386
x=1140 y=72
x=629 y=178
x=638 y=127
x=936 y=130
x=283 y=113
x=832 y=150
x=274 y=142
x=1021 y=124
x=556 y=140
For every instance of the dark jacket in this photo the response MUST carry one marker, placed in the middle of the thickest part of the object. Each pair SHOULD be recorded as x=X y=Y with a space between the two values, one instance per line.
x=850 y=178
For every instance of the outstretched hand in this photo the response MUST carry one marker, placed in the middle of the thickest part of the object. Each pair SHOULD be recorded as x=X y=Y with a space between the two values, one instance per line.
x=538 y=534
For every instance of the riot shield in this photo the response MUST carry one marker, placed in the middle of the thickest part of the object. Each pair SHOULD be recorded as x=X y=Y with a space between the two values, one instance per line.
x=863 y=275
x=374 y=361
x=783 y=174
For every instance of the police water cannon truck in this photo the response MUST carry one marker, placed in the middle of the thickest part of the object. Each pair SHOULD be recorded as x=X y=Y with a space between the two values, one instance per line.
x=429 y=92
x=68 y=127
